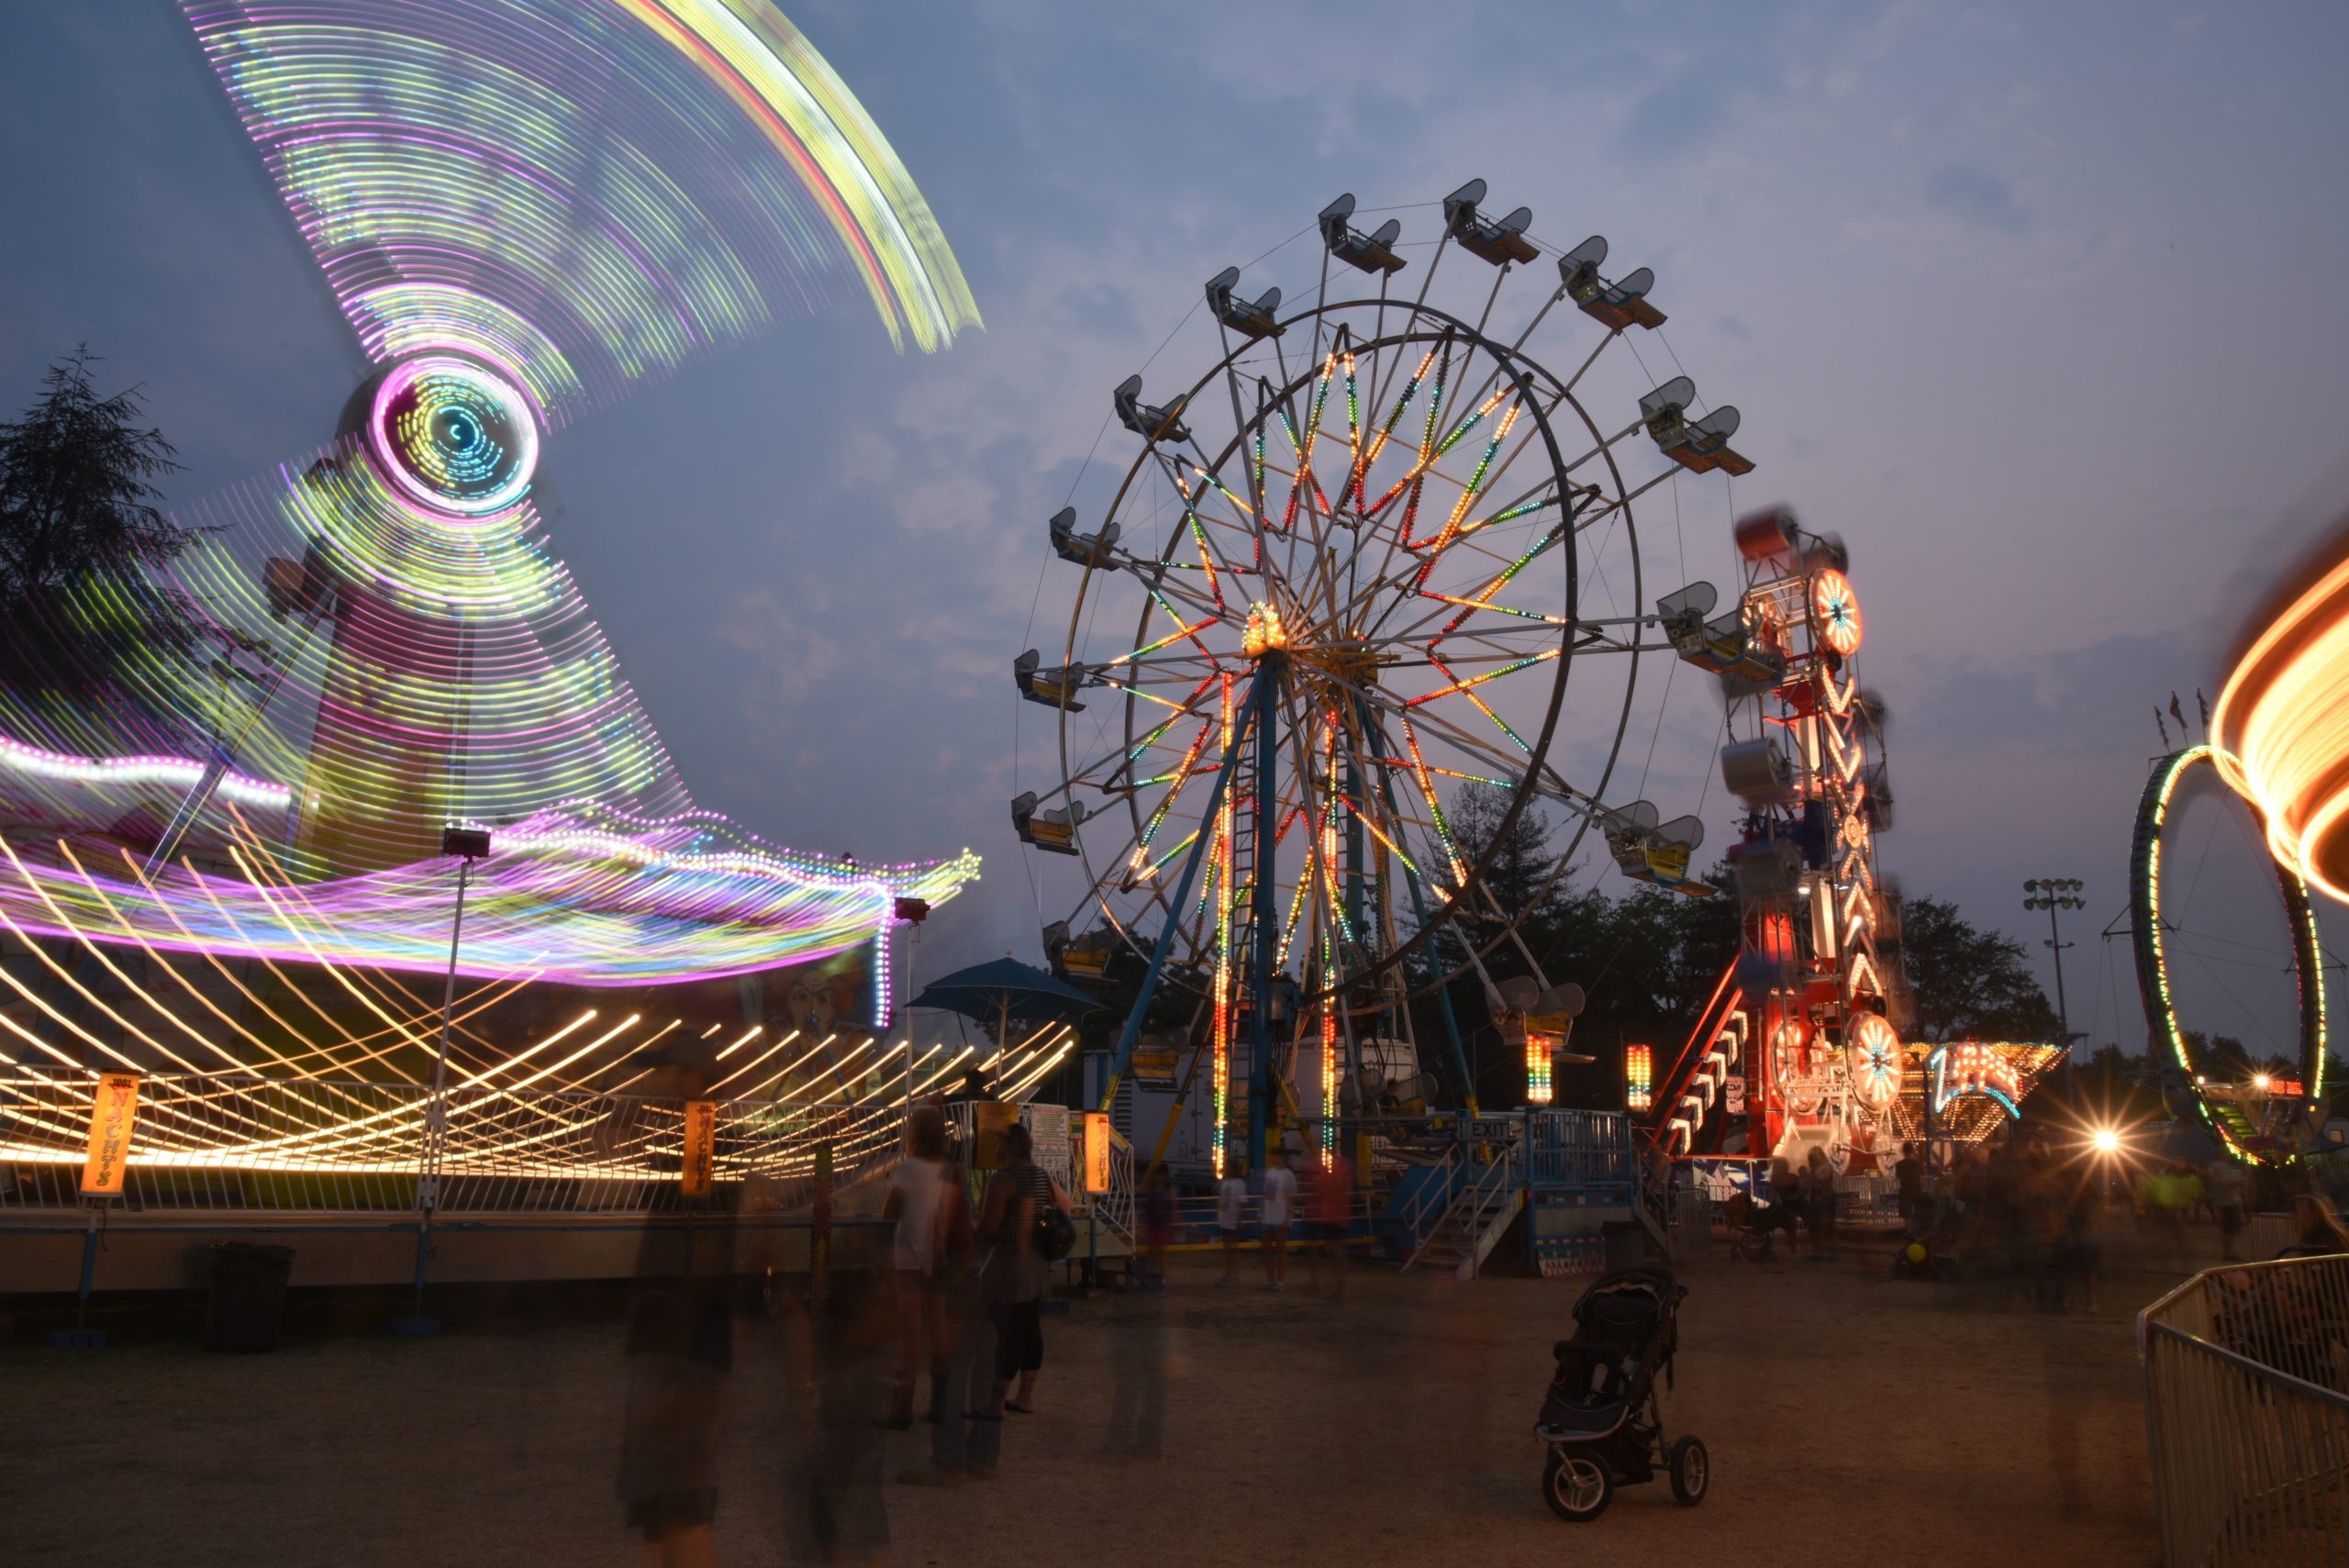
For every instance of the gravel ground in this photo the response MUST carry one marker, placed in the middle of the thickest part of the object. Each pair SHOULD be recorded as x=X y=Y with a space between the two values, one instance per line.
x=1851 y=1418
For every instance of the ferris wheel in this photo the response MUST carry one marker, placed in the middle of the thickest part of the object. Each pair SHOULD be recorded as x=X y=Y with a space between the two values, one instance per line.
x=1375 y=555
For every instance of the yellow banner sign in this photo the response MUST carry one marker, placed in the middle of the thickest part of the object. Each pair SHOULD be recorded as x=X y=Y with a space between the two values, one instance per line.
x=992 y=1117
x=1096 y=1153
x=111 y=1116
x=700 y=1172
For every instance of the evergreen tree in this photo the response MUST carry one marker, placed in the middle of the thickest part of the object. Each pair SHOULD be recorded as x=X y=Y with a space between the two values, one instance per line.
x=79 y=524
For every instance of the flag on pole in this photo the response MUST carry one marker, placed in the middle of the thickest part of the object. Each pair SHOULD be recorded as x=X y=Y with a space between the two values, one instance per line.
x=2157 y=720
x=2204 y=704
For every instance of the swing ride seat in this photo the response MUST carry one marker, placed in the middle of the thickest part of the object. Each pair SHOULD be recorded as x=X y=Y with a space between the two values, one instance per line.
x=1656 y=853
x=1075 y=548
x=1079 y=958
x=1051 y=831
x=1500 y=241
x=1147 y=420
x=1614 y=306
x=1371 y=252
x=1055 y=687
x=1253 y=319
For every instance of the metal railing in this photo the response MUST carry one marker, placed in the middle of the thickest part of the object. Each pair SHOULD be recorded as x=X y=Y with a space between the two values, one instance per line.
x=1580 y=1149
x=2247 y=1409
x=205 y=1143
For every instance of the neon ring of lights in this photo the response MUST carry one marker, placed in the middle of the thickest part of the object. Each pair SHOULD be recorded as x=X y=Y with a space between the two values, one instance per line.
x=453 y=436
x=1835 y=611
x=1872 y=1050
x=1802 y=1088
x=2153 y=961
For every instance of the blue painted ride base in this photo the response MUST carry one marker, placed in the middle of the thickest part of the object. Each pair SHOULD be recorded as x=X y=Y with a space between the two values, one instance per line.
x=416 y=1328
x=77 y=1338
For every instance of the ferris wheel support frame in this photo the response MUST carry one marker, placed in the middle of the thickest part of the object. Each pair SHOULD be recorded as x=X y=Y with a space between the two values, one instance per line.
x=1420 y=909
x=1131 y=1034
x=1264 y=692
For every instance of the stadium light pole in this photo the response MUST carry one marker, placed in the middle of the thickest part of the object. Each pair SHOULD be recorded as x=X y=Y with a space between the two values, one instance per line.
x=2052 y=894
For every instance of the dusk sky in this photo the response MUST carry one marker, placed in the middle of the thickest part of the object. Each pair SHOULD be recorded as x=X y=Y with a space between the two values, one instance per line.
x=2040 y=308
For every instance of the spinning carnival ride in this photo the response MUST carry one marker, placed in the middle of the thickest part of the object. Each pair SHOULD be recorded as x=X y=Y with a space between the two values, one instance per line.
x=2261 y=1118
x=526 y=209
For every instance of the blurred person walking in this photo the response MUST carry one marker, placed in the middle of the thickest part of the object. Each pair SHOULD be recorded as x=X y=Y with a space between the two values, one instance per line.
x=916 y=1193
x=1275 y=1211
x=1333 y=1202
x=1909 y=1170
x=966 y=1400
x=2316 y=1227
x=1818 y=1203
x=1157 y=1222
x=2225 y=1186
x=1138 y=1347
x=1231 y=1213
x=1016 y=1270
x=847 y=1520
x=679 y=1346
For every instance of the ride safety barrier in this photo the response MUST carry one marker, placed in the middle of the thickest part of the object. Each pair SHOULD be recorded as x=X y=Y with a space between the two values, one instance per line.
x=2247 y=1409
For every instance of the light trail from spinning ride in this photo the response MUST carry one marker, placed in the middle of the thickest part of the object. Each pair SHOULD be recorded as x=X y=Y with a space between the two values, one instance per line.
x=2282 y=723
x=526 y=209
x=581 y=193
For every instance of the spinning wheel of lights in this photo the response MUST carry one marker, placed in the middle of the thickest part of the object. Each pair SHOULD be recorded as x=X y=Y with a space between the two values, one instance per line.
x=453 y=436
x=1835 y=610
x=1873 y=1061
x=2151 y=948
x=1804 y=1090
x=526 y=209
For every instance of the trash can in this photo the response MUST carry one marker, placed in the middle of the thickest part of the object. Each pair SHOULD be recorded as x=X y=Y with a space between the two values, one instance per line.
x=246 y=1307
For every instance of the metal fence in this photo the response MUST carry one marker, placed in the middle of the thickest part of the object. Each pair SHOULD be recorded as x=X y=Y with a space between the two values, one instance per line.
x=2247 y=1407
x=205 y=1143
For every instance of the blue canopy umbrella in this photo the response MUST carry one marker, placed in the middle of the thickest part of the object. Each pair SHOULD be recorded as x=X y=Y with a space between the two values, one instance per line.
x=1003 y=991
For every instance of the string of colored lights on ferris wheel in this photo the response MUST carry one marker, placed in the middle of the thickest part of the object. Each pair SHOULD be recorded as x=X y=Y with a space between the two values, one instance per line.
x=1162 y=739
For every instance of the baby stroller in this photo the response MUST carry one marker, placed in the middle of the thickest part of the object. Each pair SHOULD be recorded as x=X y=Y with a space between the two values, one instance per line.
x=1756 y=1223
x=1602 y=1421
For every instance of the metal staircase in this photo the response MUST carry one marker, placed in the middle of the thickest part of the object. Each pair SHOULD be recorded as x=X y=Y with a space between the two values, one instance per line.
x=1690 y=1088
x=1479 y=1215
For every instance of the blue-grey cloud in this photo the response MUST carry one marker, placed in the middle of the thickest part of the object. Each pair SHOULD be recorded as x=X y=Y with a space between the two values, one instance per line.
x=1978 y=198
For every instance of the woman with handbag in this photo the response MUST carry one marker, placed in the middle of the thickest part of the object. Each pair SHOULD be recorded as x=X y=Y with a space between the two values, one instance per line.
x=1017 y=1270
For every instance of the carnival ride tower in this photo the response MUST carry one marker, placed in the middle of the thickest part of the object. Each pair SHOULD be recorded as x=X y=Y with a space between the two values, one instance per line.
x=1809 y=1015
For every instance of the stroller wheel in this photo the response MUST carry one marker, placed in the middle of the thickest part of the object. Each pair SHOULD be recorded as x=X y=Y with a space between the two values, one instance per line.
x=1576 y=1485
x=1692 y=1472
